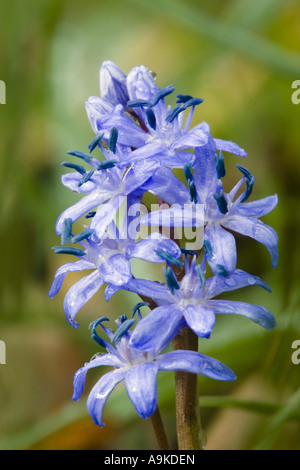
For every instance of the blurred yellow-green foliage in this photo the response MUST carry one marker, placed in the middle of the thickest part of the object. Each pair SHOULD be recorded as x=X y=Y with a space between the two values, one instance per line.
x=242 y=57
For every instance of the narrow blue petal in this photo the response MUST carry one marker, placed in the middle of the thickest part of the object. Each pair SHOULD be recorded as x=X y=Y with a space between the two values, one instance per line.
x=231 y=147
x=80 y=375
x=113 y=83
x=222 y=248
x=195 y=363
x=257 y=208
x=256 y=229
x=256 y=313
x=146 y=249
x=140 y=383
x=100 y=392
x=79 y=294
x=200 y=319
x=157 y=328
x=236 y=280
x=64 y=270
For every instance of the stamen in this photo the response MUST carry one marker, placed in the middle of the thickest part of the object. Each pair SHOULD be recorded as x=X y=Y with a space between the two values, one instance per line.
x=189 y=252
x=74 y=166
x=66 y=231
x=151 y=118
x=96 y=140
x=91 y=214
x=249 y=182
x=179 y=109
x=222 y=271
x=208 y=249
x=68 y=250
x=221 y=201
x=107 y=164
x=220 y=165
x=201 y=275
x=168 y=257
x=77 y=153
x=193 y=191
x=122 y=330
x=83 y=235
x=187 y=171
x=170 y=279
x=138 y=103
x=162 y=94
x=113 y=139
x=94 y=334
x=86 y=177
x=183 y=98
x=137 y=307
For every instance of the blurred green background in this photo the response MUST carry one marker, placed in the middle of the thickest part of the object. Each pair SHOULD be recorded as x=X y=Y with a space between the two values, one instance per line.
x=242 y=57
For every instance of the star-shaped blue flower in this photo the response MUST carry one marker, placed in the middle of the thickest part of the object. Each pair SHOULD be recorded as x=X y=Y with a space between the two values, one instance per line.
x=138 y=370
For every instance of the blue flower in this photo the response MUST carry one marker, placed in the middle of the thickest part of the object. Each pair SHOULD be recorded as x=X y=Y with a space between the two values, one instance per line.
x=192 y=298
x=221 y=210
x=105 y=185
x=139 y=371
x=108 y=258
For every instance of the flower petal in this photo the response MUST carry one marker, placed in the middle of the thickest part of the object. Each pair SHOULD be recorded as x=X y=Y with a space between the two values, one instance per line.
x=205 y=170
x=115 y=270
x=231 y=147
x=145 y=249
x=256 y=208
x=195 y=363
x=140 y=383
x=157 y=329
x=154 y=290
x=196 y=137
x=200 y=319
x=80 y=375
x=258 y=230
x=113 y=83
x=187 y=215
x=65 y=269
x=167 y=186
x=105 y=215
x=222 y=250
x=257 y=313
x=100 y=392
x=79 y=294
x=84 y=205
x=236 y=280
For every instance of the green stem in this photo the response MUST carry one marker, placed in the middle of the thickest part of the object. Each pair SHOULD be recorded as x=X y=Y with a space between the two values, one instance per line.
x=159 y=430
x=190 y=434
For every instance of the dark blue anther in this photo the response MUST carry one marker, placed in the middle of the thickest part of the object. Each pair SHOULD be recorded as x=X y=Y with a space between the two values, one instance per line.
x=170 y=279
x=113 y=139
x=122 y=330
x=189 y=252
x=86 y=177
x=66 y=231
x=162 y=94
x=68 y=250
x=74 y=166
x=91 y=214
x=187 y=171
x=106 y=164
x=151 y=118
x=221 y=270
x=83 y=235
x=123 y=318
x=137 y=307
x=94 y=333
x=77 y=153
x=182 y=106
x=208 y=249
x=96 y=140
x=220 y=165
x=201 y=275
x=168 y=257
x=193 y=191
x=222 y=203
x=183 y=98
x=138 y=104
x=249 y=182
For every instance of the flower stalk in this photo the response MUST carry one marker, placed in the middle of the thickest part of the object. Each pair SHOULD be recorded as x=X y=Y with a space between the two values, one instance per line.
x=190 y=435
